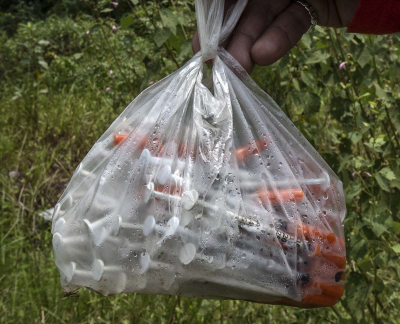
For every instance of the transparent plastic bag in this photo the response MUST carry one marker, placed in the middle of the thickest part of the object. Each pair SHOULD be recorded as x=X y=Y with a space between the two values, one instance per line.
x=203 y=187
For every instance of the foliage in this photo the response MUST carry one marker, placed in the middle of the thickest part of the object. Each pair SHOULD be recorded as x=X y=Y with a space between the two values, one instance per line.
x=55 y=105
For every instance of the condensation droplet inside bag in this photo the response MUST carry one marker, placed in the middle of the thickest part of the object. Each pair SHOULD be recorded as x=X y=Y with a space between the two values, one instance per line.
x=202 y=187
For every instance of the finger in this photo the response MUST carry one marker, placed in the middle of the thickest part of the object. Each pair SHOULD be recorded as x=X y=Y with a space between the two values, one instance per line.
x=258 y=15
x=195 y=39
x=284 y=33
x=195 y=42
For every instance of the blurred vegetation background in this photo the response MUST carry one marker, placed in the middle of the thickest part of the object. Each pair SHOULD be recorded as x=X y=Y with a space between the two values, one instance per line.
x=65 y=75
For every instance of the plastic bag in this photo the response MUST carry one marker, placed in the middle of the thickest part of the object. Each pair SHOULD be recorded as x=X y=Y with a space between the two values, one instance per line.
x=203 y=187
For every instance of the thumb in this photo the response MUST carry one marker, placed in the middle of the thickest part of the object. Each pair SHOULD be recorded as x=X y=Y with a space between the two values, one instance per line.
x=282 y=35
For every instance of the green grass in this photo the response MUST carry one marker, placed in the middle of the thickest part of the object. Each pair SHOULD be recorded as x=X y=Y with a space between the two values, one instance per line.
x=54 y=107
x=45 y=153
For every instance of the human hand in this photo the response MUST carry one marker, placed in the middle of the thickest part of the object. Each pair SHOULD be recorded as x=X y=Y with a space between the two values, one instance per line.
x=268 y=29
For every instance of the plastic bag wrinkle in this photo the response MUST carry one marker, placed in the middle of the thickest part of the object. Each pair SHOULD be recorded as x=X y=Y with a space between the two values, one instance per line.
x=203 y=187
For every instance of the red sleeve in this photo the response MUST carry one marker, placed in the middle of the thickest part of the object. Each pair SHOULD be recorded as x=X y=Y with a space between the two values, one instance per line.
x=376 y=17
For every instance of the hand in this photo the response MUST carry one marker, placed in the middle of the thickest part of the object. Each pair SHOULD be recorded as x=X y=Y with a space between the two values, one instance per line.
x=268 y=29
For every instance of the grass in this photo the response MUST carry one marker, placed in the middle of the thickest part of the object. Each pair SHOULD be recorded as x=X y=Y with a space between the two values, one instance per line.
x=52 y=113
x=43 y=145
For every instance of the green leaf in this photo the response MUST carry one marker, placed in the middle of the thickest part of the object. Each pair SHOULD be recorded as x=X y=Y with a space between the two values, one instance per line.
x=161 y=36
x=296 y=84
x=307 y=78
x=380 y=224
x=186 y=50
x=77 y=56
x=339 y=106
x=366 y=94
x=376 y=143
x=378 y=229
x=395 y=184
x=306 y=40
x=318 y=57
x=331 y=80
x=127 y=21
x=355 y=136
x=396 y=248
x=44 y=64
x=311 y=104
x=359 y=247
x=43 y=42
x=106 y=10
x=364 y=57
x=380 y=92
x=381 y=258
x=379 y=286
x=322 y=45
x=365 y=264
x=357 y=291
x=388 y=150
x=135 y=2
x=388 y=173
x=94 y=28
x=168 y=19
x=344 y=162
x=395 y=266
x=325 y=68
x=382 y=182
x=352 y=191
x=176 y=41
x=183 y=18
x=396 y=227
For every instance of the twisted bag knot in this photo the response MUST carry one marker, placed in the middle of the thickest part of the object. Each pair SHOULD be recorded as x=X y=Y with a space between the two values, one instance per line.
x=211 y=26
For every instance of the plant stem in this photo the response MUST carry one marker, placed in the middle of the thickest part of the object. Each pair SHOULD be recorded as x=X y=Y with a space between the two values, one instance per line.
x=372 y=312
x=171 y=54
x=111 y=48
x=392 y=127
x=336 y=312
x=116 y=60
x=375 y=277
x=355 y=89
x=374 y=63
x=183 y=28
x=172 y=316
